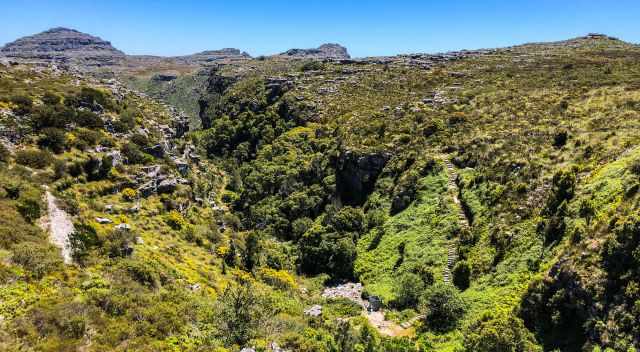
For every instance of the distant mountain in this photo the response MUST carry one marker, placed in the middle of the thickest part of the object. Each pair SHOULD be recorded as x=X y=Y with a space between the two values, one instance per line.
x=64 y=45
x=324 y=51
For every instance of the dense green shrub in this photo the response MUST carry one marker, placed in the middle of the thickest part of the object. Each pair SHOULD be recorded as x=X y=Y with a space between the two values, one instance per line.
x=126 y=122
x=563 y=189
x=409 y=290
x=90 y=98
x=50 y=98
x=133 y=154
x=556 y=309
x=23 y=104
x=499 y=331
x=98 y=168
x=35 y=158
x=118 y=243
x=461 y=275
x=240 y=313
x=560 y=139
x=88 y=119
x=56 y=116
x=53 y=139
x=312 y=65
x=140 y=140
x=5 y=153
x=82 y=240
x=39 y=259
x=442 y=307
x=14 y=228
x=86 y=138
x=144 y=272
x=30 y=205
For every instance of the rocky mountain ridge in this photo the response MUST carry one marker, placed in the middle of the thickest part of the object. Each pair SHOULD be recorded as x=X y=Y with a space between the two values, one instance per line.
x=63 y=45
x=324 y=51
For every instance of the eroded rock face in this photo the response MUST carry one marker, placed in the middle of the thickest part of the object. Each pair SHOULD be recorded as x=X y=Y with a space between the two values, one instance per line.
x=324 y=51
x=216 y=86
x=64 y=45
x=356 y=175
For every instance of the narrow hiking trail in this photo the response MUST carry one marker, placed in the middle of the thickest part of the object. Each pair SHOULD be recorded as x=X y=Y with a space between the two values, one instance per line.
x=59 y=226
x=463 y=222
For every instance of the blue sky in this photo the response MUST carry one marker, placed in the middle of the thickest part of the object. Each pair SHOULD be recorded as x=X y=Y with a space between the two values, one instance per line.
x=373 y=27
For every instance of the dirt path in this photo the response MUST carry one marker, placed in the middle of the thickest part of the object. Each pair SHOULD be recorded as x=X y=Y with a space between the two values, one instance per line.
x=58 y=223
x=353 y=291
x=387 y=327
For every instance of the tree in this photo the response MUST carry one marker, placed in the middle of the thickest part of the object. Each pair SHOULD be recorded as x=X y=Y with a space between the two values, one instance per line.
x=442 y=307
x=53 y=139
x=499 y=331
x=240 y=312
x=408 y=290
x=133 y=154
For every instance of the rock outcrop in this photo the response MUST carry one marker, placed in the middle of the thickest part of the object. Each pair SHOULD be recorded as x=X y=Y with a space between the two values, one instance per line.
x=324 y=51
x=63 y=45
x=356 y=175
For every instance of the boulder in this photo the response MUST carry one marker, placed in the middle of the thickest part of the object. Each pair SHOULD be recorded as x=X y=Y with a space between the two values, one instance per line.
x=375 y=303
x=156 y=150
x=314 y=311
x=147 y=189
x=182 y=166
x=103 y=220
x=123 y=226
x=167 y=186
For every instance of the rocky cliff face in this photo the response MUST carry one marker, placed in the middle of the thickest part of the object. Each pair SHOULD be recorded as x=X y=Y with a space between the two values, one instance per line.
x=215 y=55
x=324 y=51
x=356 y=175
x=63 y=45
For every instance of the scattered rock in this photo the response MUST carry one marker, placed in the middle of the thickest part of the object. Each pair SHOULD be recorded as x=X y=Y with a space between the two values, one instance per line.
x=314 y=311
x=350 y=290
x=156 y=150
x=167 y=186
x=123 y=226
x=103 y=220
x=147 y=189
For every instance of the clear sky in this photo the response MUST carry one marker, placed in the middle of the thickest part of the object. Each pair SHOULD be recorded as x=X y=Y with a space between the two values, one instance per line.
x=366 y=27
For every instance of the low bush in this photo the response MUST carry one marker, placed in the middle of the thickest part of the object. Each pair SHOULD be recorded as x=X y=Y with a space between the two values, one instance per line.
x=5 y=153
x=133 y=154
x=38 y=159
x=23 y=104
x=39 y=259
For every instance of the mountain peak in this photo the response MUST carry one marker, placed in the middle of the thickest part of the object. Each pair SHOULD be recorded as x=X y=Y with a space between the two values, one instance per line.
x=324 y=51
x=63 y=45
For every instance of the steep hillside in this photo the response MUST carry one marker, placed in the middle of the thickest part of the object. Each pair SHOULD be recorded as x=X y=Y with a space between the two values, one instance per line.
x=467 y=201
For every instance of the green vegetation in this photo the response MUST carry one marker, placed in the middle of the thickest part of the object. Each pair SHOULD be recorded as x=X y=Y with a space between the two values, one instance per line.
x=491 y=201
